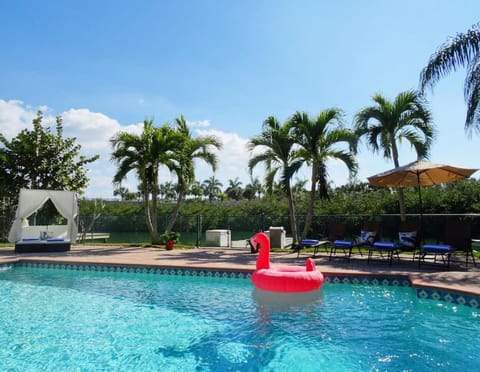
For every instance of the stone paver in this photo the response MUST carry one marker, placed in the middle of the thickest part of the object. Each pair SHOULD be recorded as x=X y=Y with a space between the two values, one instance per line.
x=457 y=279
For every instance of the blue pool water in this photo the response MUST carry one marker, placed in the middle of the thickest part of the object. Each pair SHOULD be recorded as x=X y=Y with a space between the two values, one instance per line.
x=89 y=321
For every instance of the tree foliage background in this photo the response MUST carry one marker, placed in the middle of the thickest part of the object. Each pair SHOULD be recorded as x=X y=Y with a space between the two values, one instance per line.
x=354 y=203
x=39 y=159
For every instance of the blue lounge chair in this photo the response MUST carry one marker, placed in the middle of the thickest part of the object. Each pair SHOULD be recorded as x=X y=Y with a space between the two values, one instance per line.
x=345 y=246
x=389 y=249
x=311 y=243
x=457 y=237
x=408 y=239
x=335 y=231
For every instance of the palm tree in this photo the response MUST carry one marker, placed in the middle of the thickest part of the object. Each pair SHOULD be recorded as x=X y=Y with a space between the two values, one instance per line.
x=212 y=188
x=234 y=189
x=253 y=190
x=276 y=151
x=196 y=190
x=257 y=187
x=188 y=150
x=299 y=189
x=248 y=192
x=144 y=154
x=122 y=192
x=319 y=140
x=463 y=50
x=167 y=191
x=276 y=190
x=388 y=123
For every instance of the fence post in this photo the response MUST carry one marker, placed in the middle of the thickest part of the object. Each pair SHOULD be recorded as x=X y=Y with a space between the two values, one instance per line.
x=199 y=230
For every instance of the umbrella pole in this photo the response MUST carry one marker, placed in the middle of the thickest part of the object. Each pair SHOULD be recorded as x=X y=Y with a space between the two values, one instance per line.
x=421 y=204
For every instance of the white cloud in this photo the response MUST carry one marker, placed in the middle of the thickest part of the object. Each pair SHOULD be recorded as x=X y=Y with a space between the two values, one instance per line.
x=199 y=124
x=14 y=117
x=93 y=131
x=232 y=159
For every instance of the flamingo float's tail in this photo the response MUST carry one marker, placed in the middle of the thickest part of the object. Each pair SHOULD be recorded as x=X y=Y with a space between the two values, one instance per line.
x=310 y=265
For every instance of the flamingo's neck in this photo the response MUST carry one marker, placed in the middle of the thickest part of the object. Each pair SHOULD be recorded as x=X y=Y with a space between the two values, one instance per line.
x=263 y=259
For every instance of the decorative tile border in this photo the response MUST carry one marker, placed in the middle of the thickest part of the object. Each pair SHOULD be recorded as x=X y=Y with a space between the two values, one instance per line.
x=423 y=293
x=368 y=280
x=135 y=269
x=450 y=297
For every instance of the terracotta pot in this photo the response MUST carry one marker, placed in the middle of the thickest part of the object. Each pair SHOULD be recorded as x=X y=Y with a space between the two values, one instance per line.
x=169 y=244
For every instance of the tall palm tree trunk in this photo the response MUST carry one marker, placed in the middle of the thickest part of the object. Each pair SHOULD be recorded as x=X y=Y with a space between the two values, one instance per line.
x=146 y=206
x=401 y=202
x=176 y=211
x=293 y=215
x=311 y=203
x=154 y=218
x=401 y=195
x=151 y=217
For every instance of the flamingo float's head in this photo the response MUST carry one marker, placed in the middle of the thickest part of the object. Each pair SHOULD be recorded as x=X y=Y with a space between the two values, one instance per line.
x=263 y=259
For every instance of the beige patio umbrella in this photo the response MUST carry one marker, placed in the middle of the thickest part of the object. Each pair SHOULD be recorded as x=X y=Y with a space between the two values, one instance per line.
x=420 y=173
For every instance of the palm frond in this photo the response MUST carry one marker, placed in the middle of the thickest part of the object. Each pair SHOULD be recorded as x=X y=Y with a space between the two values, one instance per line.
x=472 y=96
x=454 y=53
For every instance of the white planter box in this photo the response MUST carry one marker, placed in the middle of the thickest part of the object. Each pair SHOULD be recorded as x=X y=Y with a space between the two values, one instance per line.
x=277 y=237
x=218 y=238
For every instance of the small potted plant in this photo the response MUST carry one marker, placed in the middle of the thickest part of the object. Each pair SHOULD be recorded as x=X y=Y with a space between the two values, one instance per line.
x=169 y=238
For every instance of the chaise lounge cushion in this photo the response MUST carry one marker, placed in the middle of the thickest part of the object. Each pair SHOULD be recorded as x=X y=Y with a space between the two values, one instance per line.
x=343 y=243
x=437 y=248
x=310 y=242
x=385 y=245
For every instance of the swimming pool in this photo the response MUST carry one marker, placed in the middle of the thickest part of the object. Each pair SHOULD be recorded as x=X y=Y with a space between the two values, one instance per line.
x=54 y=319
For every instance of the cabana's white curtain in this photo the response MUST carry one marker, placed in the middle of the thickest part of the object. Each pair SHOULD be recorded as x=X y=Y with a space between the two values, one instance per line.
x=29 y=201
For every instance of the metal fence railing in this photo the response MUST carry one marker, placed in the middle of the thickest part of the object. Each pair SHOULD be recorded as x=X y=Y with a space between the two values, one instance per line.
x=131 y=228
x=192 y=228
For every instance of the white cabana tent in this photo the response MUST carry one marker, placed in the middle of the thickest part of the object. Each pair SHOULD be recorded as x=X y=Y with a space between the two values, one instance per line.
x=29 y=201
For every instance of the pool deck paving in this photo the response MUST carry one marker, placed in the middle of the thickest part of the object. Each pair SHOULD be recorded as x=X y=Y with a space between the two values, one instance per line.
x=458 y=278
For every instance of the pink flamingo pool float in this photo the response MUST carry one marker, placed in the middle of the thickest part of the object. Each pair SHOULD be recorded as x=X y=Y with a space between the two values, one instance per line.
x=283 y=278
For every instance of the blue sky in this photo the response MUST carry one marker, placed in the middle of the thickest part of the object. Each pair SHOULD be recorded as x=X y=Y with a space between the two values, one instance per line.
x=226 y=66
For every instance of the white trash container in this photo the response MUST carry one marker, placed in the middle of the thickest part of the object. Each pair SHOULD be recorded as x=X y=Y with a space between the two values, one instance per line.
x=218 y=238
x=277 y=236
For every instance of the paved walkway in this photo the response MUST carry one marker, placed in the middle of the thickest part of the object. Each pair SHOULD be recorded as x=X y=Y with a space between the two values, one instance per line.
x=457 y=279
